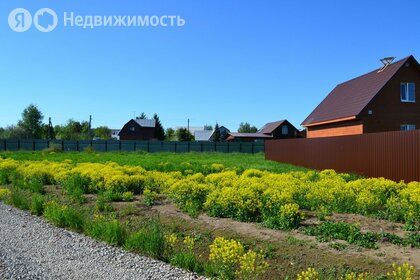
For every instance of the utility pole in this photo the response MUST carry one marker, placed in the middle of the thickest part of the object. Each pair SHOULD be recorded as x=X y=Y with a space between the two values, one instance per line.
x=49 y=128
x=90 y=128
x=188 y=125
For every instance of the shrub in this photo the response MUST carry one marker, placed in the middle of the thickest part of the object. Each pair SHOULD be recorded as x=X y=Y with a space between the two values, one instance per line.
x=37 y=205
x=149 y=197
x=251 y=265
x=403 y=272
x=64 y=216
x=110 y=231
x=289 y=217
x=111 y=195
x=76 y=185
x=149 y=240
x=19 y=199
x=225 y=254
x=54 y=148
x=4 y=194
x=34 y=184
x=187 y=260
x=127 y=196
x=309 y=274
x=328 y=231
x=101 y=204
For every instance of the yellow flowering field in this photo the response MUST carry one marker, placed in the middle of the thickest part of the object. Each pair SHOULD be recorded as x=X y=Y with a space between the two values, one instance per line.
x=252 y=195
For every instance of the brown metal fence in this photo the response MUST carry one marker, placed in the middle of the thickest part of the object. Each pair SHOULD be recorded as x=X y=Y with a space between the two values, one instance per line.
x=393 y=155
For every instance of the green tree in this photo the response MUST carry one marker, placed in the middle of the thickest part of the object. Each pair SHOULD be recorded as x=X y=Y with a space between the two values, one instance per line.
x=159 y=131
x=31 y=122
x=13 y=132
x=73 y=130
x=183 y=134
x=246 y=128
x=102 y=132
x=216 y=134
x=208 y=127
x=170 y=134
x=142 y=116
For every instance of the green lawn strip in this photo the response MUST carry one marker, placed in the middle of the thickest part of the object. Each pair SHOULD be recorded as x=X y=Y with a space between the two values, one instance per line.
x=197 y=162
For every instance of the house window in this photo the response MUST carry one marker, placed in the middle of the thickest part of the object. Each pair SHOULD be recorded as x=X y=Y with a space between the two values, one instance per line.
x=132 y=128
x=407 y=127
x=408 y=92
x=284 y=130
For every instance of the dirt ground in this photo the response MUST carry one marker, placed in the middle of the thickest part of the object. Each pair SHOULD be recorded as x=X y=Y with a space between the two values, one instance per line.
x=385 y=253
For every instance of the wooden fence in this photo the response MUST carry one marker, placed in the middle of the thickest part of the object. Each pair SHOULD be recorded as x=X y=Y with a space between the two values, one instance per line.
x=393 y=155
x=132 y=146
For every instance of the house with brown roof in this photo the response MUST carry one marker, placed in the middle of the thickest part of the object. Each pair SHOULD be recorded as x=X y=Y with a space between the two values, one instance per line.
x=138 y=129
x=274 y=130
x=382 y=100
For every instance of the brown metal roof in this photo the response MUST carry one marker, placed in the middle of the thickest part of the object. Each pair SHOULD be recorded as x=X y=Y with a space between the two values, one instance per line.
x=250 y=135
x=350 y=98
x=270 y=127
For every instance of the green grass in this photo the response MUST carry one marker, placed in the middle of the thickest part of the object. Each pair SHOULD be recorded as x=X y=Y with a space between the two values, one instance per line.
x=149 y=240
x=64 y=216
x=110 y=231
x=197 y=162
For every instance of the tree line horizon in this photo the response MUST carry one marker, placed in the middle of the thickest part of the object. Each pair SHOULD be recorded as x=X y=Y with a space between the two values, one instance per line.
x=31 y=126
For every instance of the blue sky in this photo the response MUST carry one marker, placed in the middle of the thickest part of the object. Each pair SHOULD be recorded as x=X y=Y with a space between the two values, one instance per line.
x=233 y=61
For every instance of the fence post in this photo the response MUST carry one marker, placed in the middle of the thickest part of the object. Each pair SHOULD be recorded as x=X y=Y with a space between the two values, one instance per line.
x=148 y=146
x=62 y=145
x=18 y=144
x=119 y=145
x=175 y=147
x=135 y=146
x=215 y=148
x=106 y=146
x=202 y=150
x=240 y=147
x=252 y=148
x=5 y=145
x=33 y=145
x=189 y=147
x=48 y=143
x=228 y=150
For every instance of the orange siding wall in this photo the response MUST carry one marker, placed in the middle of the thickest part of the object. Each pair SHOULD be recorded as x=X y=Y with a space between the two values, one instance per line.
x=335 y=131
x=394 y=155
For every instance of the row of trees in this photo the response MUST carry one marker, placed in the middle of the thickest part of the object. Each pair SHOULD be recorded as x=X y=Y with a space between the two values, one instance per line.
x=31 y=126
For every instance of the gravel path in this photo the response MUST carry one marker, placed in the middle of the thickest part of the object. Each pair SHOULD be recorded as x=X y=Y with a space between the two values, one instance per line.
x=30 y=248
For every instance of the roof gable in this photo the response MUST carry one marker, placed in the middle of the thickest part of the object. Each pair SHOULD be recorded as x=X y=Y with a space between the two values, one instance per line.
x=146 y=122
x=268 y=128
x=350 y=98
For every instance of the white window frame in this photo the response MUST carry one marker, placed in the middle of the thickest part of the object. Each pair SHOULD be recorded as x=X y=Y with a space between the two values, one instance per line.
x=408 y=127
x=407 y=86
x=133 y=128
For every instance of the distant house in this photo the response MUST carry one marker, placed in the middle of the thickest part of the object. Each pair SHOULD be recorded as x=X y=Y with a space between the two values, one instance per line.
x=115 y=134
x=203 y=135
x=382 y=100
x=274 y=130
x=280 y=130
x=138 y=129
x=208 y=135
